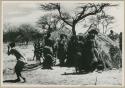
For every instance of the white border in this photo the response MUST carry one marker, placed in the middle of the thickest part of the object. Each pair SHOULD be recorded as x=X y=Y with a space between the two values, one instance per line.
x=36 y=85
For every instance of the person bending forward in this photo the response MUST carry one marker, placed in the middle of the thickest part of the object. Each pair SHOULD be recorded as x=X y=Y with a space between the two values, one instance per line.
x=21 y=61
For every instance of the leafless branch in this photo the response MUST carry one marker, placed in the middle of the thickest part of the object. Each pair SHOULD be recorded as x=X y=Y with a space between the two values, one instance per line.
x=97 y=8
x=58 y=8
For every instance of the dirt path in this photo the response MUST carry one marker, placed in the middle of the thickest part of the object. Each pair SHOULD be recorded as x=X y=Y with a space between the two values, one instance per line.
x=57 y=75
x=64 y=76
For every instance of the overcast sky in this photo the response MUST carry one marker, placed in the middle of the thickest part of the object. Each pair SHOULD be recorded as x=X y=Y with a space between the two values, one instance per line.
x=17 y=13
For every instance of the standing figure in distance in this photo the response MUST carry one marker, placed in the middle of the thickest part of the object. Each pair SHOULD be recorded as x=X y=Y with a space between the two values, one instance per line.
x=61 y=50
x=48 y=52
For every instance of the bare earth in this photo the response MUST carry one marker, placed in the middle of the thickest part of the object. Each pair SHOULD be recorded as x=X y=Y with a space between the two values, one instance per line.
x=59 y=75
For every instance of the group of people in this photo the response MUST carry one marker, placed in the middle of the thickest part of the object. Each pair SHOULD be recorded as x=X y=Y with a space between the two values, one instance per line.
x=79 y=52
x=43 y=49
x=76 y=51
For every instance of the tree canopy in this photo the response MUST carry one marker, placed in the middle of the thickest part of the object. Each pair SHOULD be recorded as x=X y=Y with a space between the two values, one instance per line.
x=83 y=10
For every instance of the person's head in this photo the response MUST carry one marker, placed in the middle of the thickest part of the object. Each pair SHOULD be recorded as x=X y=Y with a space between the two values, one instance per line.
x=12 y=44
x=111 y=31
x=48 y=35
x=73 y=38
x=80 y=38
x=93 y=33
x=61 y=36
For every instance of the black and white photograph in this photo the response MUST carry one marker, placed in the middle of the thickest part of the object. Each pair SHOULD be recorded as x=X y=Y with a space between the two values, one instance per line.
x=63 y=43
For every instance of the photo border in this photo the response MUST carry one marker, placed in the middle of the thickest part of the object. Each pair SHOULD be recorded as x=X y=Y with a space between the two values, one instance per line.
x=56 y=86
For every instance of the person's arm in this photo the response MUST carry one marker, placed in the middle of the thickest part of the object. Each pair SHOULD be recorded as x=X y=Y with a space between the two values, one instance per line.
x=97 y=45
x=23 y=58
x=34 y=45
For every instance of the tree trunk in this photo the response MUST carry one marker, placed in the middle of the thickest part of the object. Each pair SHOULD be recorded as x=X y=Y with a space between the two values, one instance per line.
x=73 y=30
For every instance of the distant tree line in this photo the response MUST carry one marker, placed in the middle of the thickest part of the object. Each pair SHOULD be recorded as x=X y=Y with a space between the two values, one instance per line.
x=22 y=34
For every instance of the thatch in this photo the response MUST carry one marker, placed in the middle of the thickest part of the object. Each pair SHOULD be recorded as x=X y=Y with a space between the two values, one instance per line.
x=109 y=51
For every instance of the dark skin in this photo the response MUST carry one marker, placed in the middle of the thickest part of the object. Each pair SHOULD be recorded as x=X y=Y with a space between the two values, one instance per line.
x=20 y=62
x=91 y=53
x=61 y=50
x=14 y=52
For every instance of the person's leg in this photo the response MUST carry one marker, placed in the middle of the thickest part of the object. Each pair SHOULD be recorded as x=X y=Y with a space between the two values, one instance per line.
x=45 y=62
x=34 y=56
x=60 y=61
x=18 y=76
x=50 y=62
x=38 y=59
x=63 y=59
x=17 y=72
x=21 y=69
x=24 y=79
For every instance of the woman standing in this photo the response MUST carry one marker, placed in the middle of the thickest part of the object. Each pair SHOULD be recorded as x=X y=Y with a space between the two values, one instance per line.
x=91 y=53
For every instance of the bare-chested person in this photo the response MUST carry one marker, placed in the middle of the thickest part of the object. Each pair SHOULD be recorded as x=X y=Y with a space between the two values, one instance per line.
x=20 y=61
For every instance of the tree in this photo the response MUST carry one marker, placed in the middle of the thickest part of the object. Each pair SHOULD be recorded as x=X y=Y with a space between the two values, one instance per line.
x=84 y=11
x=26 y=33
x=103 y=20
x=50 y=22
x=23 y=33
x=9 y=32
x=106 y=21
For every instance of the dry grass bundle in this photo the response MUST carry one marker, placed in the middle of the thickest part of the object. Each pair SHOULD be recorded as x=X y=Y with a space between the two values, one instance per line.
x=115 y=56
x=110 y=52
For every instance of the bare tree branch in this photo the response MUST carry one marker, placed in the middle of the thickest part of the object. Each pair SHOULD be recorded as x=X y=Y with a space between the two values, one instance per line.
x=87 y=10
x=58 y=8
x=98 y=9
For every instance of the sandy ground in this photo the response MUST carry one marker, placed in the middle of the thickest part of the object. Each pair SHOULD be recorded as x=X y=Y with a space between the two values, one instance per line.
x=59 y=75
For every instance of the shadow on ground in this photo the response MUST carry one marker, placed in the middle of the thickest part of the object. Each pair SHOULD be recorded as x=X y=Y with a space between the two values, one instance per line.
x=75 y=73
x=11 y=81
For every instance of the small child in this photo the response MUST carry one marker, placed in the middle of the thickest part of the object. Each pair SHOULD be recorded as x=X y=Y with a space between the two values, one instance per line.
x=21 y=61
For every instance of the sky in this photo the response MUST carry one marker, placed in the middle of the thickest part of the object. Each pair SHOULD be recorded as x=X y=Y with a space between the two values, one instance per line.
x=16 y=13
